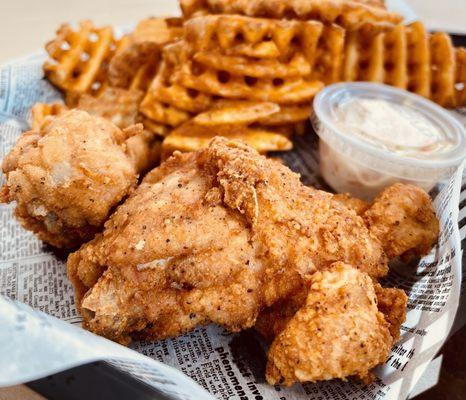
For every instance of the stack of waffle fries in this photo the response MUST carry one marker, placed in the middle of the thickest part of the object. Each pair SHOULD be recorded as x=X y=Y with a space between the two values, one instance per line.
x=246 y=69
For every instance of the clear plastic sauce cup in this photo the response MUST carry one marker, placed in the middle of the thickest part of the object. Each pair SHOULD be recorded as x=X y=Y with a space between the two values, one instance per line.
x=365 y=154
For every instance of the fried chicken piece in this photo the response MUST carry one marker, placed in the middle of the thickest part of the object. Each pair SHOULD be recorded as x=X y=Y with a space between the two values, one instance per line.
x=274 y=319
x=403 y=219
x=392 y=303
x=67 y=176
x=213 y=236
x=339 y=332
x=358 y=205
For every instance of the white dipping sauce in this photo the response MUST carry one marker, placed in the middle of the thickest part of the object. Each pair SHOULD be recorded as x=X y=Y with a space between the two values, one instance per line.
x=373 y=135
x=391 y=126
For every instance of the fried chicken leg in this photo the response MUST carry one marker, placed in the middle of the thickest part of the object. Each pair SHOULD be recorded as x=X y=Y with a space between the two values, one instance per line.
x=68 y=175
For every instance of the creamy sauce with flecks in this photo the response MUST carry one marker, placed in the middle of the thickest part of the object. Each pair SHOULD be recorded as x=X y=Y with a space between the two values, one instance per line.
x=393 y=127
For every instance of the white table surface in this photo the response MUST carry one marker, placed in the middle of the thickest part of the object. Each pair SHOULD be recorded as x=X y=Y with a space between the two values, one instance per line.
x=27 y=24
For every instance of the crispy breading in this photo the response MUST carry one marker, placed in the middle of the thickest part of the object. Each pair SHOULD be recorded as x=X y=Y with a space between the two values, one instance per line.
x=67 y=176
x=404 y=220
x=392 y=303
x=339 y=332
x=358 y=205
x=215 y=235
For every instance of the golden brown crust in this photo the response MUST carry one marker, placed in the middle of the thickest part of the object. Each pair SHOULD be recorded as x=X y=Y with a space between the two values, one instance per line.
x=227 y=232
x=404 y=220
x=339 y=332
x=359 y=206
x=68 y=176
x=392 y=303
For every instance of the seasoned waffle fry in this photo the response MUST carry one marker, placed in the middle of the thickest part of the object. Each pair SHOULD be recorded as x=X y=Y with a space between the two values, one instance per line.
x=79 y=59
x=284 y=48
x=329 y=55
x=191 y=137
x=443 y=69
x=144 y=75
x=165 y=114
x=288 y=130
x=169 y=103
x=41 y=113
x=406 y=57
x=253 y=37
x=163 y=90
x=159 y=30
x=287 y=115
x=419 y=70
x=115 y=104
x=135 y=64
x=222 y=83
x=395 y=41
x=152 y=126
x=240 y=113
x=297 y=66
x=349 y=13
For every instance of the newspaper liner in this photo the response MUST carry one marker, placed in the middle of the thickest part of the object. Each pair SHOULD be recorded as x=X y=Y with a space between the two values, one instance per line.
x=40 y=330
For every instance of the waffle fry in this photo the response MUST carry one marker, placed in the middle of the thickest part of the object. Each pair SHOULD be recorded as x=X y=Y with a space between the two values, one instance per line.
x=41 y=113
x=165 y=114
x=443 y=63
x=163 y=89
x=349 y=14
x=152 y=126
x=419 y=70
x=409 y=58
x=239 y=112
x=168 y=103
x=234 y=35
x=117 y=105
x=287 y=115
x=191 y=137
x=136 y=63
x=79 y=59
x=171 y=104
x=245 y=69
x=264 y=48
x=222 y=83
x=329 y=55
x=297 y=66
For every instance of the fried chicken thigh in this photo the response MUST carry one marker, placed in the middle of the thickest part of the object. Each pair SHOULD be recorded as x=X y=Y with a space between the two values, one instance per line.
x=68 y=175
x=213 y=236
